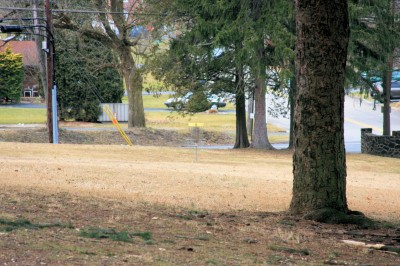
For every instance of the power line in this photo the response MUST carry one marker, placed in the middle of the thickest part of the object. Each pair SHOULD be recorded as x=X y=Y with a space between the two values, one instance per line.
x=80 y=11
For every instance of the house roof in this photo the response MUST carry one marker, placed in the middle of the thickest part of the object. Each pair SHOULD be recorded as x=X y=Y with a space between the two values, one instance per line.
x=28 y=50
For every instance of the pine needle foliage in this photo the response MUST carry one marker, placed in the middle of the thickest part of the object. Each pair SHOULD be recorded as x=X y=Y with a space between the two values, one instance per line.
x=11 y=75
x=375 y=30
x=86 y=76
x=216 y=38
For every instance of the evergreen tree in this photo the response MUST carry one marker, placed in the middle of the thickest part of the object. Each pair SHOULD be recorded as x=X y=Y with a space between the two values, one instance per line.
x=11 y=75
x=267 y=51
x=230 y=45
x=375 y=30
x=85 y=77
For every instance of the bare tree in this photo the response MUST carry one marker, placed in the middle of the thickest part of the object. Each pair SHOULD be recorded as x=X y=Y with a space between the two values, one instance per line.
x=112 y=26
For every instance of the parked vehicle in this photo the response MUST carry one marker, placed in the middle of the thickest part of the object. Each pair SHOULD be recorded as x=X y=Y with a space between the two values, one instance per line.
x=179 y=103
x=216 y=101
x=394 y=92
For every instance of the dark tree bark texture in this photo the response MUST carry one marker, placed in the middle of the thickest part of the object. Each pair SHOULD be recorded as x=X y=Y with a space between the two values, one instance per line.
x=292 y=102
x=242 y=140
x=319 y=161
x=260 y=134
x=387 y=86
x=134 y=87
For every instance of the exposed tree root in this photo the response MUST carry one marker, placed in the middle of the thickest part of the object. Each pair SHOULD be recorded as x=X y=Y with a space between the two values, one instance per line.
x=333 y=216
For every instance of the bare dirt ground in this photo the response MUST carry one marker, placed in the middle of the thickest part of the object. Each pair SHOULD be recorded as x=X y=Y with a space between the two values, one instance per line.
x=165 y=208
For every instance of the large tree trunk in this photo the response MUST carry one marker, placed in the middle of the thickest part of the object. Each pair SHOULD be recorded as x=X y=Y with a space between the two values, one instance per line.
x=134 y=86
x=319 y=161
x=387 y=87
x=292 y=104
x=242 y=140
x=260 y=136
x=250 y=114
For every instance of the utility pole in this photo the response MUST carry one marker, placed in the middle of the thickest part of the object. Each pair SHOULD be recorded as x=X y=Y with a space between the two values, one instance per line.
x=35 y=19
x=50 y=67
x=39 y=46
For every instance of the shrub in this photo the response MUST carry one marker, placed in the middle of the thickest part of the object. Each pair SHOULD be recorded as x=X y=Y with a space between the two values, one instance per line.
x=198 y=103
x=11 y=75
x=85 y=81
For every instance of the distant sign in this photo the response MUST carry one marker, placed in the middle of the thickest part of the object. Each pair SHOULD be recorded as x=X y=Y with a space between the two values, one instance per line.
x=196 y=124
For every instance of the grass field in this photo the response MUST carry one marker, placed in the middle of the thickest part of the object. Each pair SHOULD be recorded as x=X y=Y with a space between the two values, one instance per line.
x=22 y=116
x=158 y=120
x=115 y=205
x=211 y=122
x=37 y=116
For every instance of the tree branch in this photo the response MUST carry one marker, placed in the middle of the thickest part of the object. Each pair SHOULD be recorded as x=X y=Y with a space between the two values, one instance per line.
x=64 y=22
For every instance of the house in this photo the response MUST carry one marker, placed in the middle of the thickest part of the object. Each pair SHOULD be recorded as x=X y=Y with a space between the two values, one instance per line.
x=30 y=58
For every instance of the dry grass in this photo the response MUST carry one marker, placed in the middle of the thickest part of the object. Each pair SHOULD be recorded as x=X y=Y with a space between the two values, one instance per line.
x=221 y=210
x=220 y=180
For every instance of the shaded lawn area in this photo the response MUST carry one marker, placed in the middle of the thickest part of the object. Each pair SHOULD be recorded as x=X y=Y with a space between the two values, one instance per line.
x=94 y=204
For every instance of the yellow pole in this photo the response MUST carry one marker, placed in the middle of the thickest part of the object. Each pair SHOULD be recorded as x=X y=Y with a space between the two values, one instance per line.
x=114 y=120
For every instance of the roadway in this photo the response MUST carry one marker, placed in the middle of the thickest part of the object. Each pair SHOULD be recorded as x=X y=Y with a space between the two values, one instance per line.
x=357 y=114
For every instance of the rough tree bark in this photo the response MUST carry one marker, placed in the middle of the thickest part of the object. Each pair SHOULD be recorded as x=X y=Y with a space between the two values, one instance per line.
x=242 y=140
x=134 y=87
x=319 y=161
x=292 y=103
x=260 y=135
x=387 y=73
x=250 y=113
x=387 y=86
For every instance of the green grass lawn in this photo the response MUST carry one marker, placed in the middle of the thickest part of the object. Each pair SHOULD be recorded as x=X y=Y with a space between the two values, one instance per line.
x=22 y=115
x=159 y=120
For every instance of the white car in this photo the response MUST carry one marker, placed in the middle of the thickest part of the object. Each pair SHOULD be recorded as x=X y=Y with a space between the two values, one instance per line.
x=178 y=103
x=394 y=92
